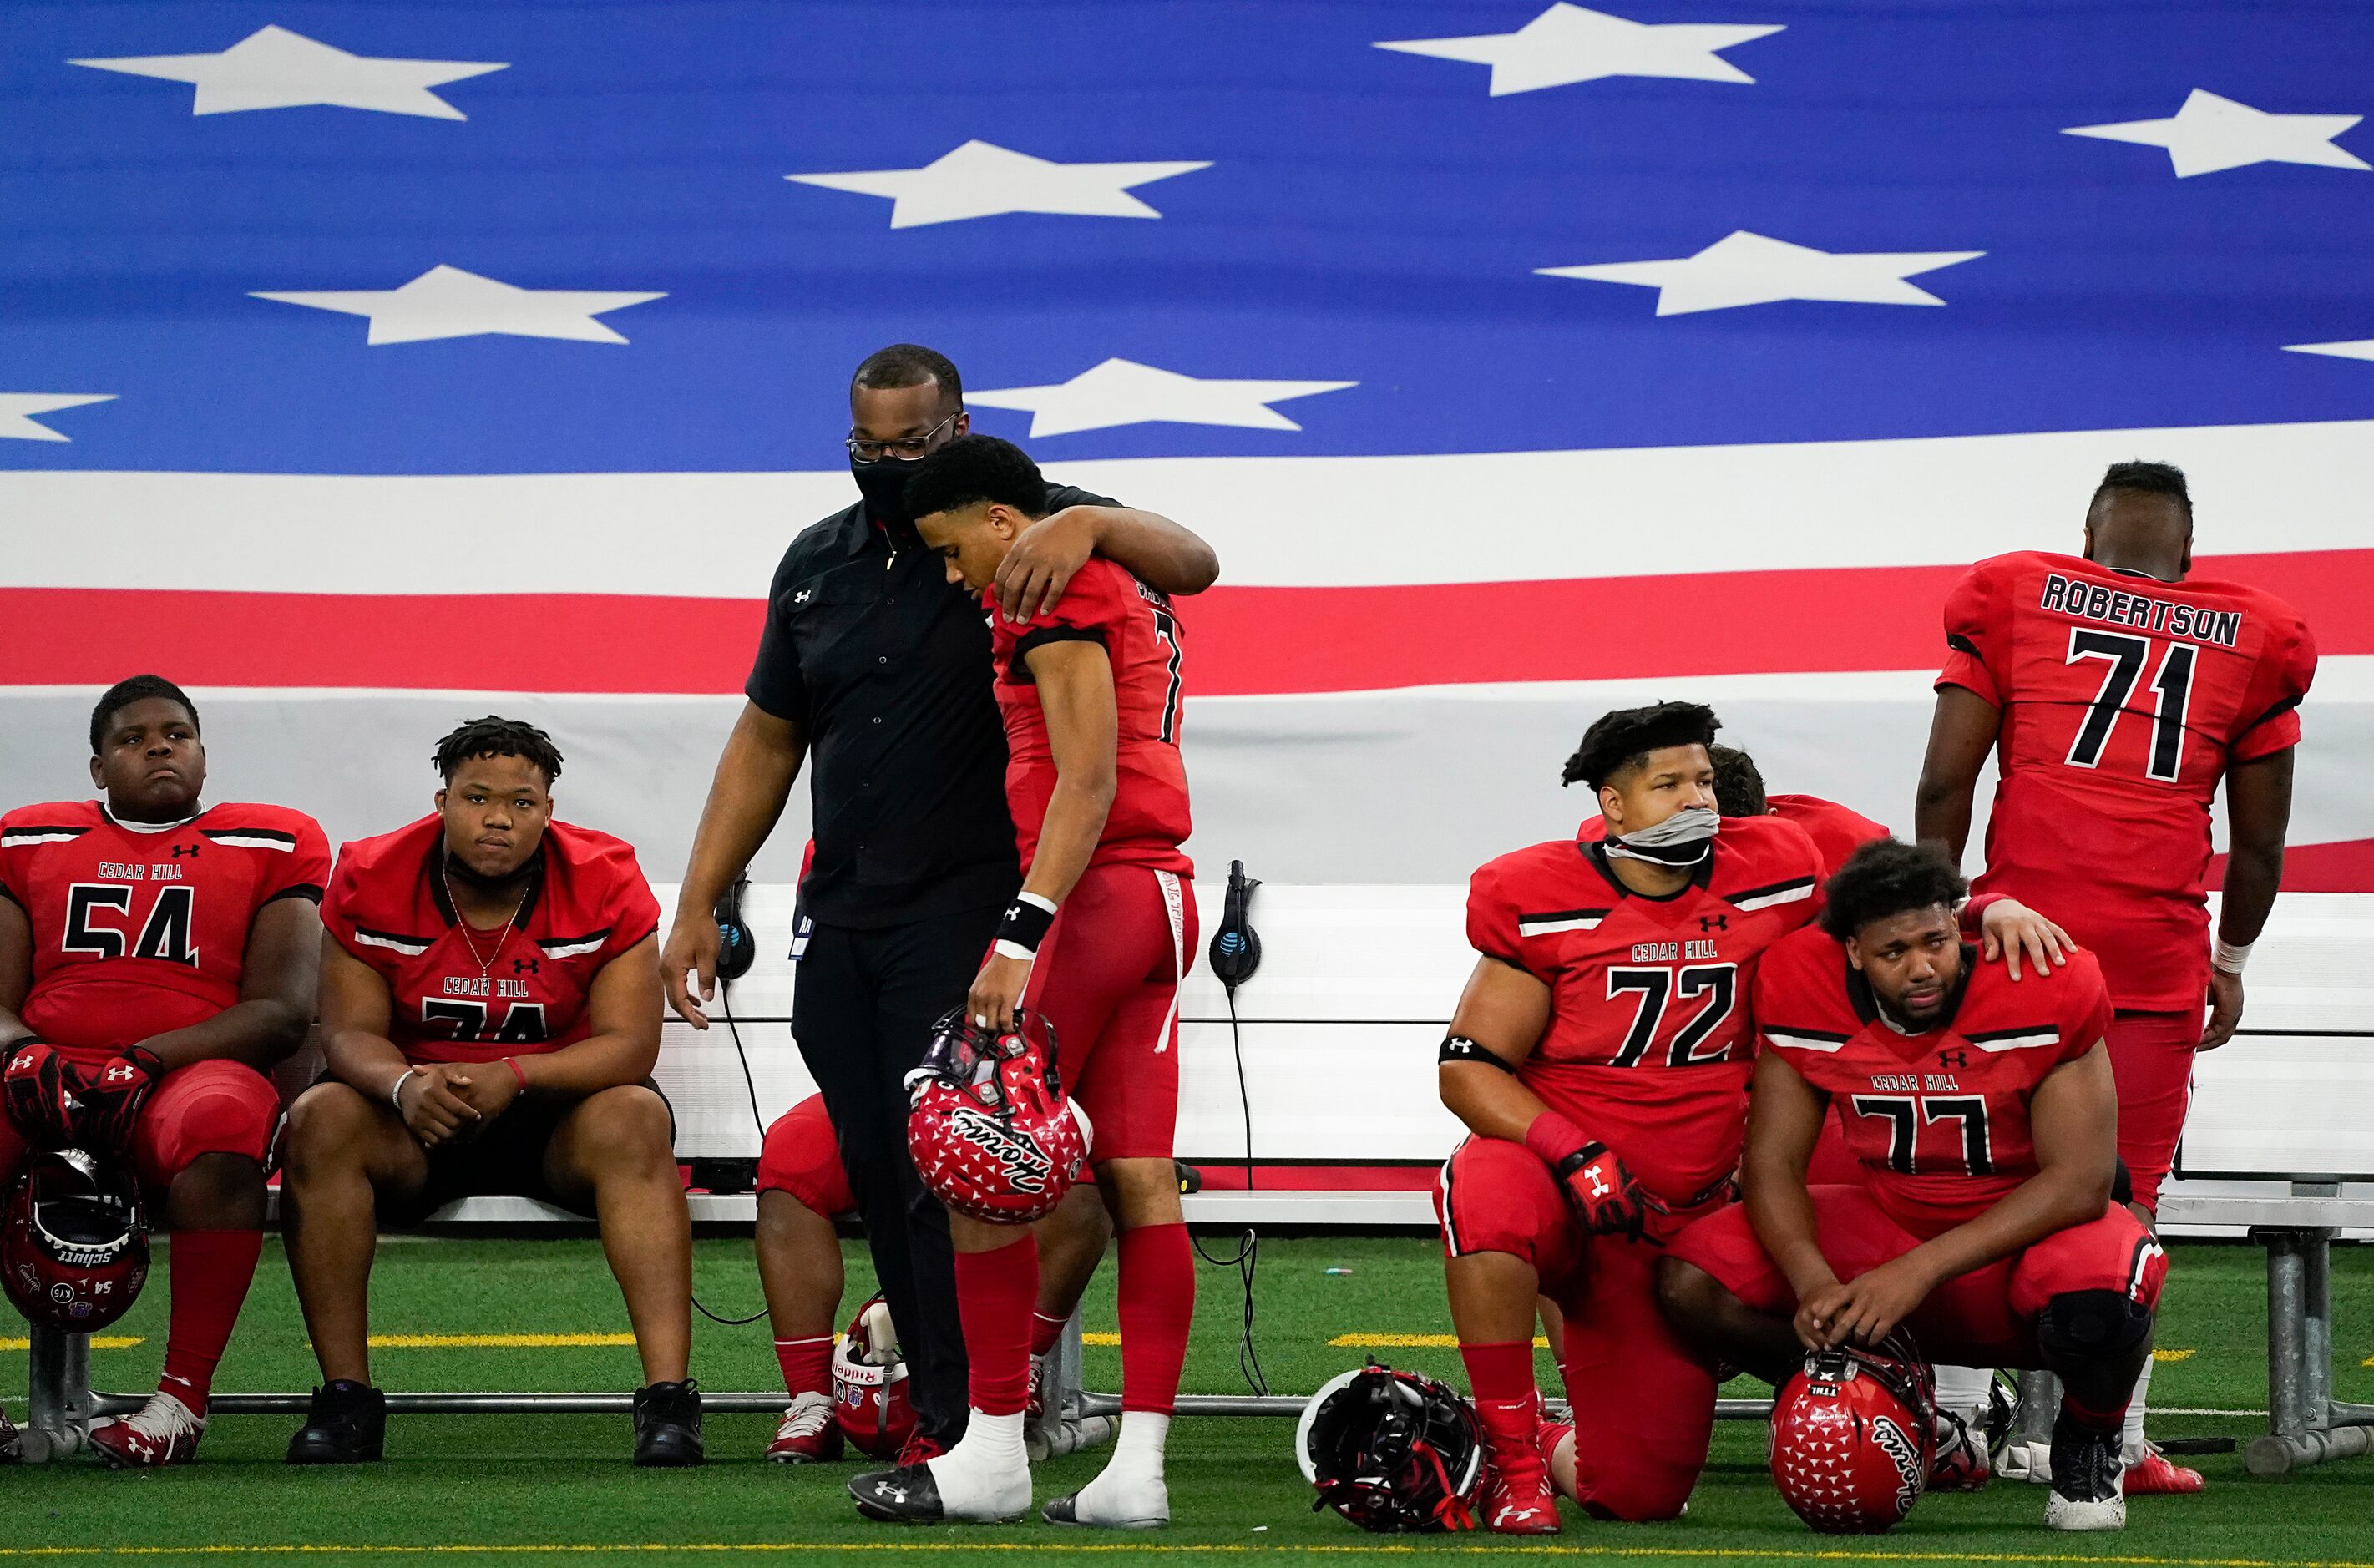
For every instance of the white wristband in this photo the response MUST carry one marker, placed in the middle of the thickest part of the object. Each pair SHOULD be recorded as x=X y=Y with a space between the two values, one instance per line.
x=2228 y=958
x=395 y=1095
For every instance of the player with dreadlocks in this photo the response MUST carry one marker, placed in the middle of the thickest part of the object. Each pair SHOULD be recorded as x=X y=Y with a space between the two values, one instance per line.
x=491 y=1013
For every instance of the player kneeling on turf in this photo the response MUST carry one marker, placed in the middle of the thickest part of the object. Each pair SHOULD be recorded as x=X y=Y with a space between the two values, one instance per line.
x=1095 y=945
x=157 y=959
x=490 y=1010
x=1983 y=1115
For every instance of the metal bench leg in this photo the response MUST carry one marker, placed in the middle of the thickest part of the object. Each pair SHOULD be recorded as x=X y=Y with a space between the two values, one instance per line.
x=2301 y=1417
x=58 y=1392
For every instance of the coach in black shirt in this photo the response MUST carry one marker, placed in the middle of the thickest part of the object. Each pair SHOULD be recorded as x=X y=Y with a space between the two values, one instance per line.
x=872 y=663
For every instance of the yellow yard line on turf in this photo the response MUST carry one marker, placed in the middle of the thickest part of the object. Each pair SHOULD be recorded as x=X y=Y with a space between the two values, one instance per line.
x=1411 y=1341
x=493 y=1341
x=2171 y=1356
x=1380 y=1548
x=1100 y=1339
x=98 y=1342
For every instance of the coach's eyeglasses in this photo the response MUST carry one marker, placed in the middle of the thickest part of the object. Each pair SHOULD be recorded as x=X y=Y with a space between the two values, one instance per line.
x=906 y=448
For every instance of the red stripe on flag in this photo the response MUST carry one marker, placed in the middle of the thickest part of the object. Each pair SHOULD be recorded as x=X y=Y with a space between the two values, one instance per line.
x=1242 y=640
x=2345 y=867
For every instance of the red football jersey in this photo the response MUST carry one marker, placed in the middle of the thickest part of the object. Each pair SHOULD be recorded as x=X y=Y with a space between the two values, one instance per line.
x=1836 y=831
x=1140 y=633
x=139 y=929
x=1938 y=1120
x=2123 y=699
x=524 y=990
x=1650 y=1030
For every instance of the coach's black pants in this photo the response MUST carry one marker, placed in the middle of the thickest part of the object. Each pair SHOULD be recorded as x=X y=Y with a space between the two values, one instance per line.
x=862 y=1011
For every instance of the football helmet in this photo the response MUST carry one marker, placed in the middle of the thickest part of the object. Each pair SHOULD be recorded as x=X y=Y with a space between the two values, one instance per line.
x=869 y=1385
x=74 y=1245
x=1855 y=1433
x=988 y=1123
x=1392 y=1451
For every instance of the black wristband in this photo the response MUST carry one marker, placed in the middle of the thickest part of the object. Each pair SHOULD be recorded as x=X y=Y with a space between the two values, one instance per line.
x=1458 y=1047
x=1026 y=925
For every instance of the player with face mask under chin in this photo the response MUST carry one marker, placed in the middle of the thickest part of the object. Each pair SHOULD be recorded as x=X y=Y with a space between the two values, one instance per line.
x=1982 y=1113
x=1598 y=1061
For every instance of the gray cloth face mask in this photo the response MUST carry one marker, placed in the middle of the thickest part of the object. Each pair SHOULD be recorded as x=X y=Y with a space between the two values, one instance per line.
x=1682 y=839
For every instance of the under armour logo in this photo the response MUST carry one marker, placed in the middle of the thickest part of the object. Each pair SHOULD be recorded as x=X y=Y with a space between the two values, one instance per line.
x=803 y=596
x=524 y=966
x=1714 y=922
x=1954 y=1059
x=182 y=850
x=1599 y=1189
x=119 y=1075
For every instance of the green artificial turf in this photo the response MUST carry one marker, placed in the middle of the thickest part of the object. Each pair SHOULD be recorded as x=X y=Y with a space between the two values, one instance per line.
x=527 y=1484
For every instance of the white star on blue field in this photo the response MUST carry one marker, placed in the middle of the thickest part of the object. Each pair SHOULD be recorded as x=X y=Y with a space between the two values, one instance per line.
x=417 y=239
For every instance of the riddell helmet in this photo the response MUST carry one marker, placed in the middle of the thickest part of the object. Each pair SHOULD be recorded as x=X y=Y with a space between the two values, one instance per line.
x=74 y=1247
x=1393 y=1451
x=1853 y=1435
x=869 y=1385
x=992 y=1132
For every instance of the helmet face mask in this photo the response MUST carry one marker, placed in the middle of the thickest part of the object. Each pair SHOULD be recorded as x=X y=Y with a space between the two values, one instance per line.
x=74 y=1242
x=1854 y=1436
x=1393 y=1452
x=991 y=1133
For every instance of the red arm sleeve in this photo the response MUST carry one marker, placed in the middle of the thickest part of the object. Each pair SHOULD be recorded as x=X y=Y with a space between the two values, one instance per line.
x=2274 y=724
x=1974 y=634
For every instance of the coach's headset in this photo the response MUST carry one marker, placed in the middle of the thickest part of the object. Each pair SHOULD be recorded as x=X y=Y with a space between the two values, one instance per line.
x=1236 y=949
x=736 y=948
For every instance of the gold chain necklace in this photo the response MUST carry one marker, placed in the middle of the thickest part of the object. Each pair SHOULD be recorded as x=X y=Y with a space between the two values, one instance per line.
x=462 y=924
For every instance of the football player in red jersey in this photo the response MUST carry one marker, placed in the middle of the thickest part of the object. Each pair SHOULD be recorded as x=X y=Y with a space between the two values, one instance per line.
x=1984 y=1117
x=491 y=1013
x=157 y=959
x=1096 y=943
x=1598 y=1057
x=803 y=1189
x=2117 y=691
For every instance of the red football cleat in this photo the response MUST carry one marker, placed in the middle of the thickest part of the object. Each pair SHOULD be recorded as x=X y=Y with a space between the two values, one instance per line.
x=1520 y=1501
x=808 y=1434
x=162 y=1433
x=2156 y=1475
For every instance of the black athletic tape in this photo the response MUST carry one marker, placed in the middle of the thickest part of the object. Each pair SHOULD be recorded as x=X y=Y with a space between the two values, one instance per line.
x=1458 y=1047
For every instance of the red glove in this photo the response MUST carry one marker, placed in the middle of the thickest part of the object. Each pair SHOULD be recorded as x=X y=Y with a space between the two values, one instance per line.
x=1606 y=1198
x=41 y=1090
x=111 y=1101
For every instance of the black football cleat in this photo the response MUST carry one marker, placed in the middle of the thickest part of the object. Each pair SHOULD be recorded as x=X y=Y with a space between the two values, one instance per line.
x=907 y=1495
x=347 y=1424
x=667 y=1425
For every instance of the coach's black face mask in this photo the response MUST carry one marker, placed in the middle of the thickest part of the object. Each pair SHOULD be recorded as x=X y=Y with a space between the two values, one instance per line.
x=884 y=484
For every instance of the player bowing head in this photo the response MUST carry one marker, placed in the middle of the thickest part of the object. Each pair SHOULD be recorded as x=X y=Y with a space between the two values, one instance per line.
x=1598 y=1058
x=1095 y=945
x=1983 y=1123
x=157 y=959
x=490 y=1014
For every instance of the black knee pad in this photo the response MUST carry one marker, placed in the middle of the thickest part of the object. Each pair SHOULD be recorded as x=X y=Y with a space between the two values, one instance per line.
x=2092 y=1326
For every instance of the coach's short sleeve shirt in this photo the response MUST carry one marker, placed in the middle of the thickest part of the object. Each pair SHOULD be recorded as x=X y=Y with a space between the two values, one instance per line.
x=886 y=665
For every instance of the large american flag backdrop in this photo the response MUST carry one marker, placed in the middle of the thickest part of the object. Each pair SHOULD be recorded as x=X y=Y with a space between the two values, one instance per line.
x=368 y=367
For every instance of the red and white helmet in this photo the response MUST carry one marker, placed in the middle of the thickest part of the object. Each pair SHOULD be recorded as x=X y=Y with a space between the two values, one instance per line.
x=74 y=1246
x=1854 y=1434
x=992 y=1132
x=869 y=1385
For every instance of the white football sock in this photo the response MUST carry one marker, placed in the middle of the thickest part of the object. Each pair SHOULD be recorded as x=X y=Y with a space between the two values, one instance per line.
x=1130 y=1491
x=2132 y=1441
x=986 y=1475
x=1964 y=1390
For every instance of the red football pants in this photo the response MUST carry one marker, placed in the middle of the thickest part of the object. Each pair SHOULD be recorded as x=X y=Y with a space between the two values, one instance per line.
x=1645 y=1407
x=2151 y=1057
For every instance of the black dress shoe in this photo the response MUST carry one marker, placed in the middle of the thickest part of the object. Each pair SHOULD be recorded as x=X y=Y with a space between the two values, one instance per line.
x=667 y=1424
x=907 y=1495
x=347 y=1424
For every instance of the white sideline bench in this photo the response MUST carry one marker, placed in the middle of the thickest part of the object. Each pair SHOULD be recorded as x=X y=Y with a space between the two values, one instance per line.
x=1339 y=1029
